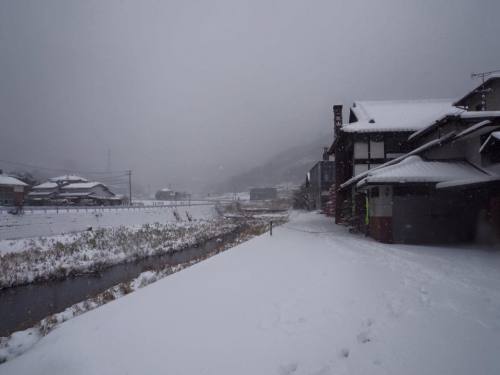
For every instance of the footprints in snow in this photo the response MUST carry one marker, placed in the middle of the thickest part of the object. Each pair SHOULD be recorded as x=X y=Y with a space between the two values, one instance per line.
x=344 y=353
x=331 y=367
x=363 y=337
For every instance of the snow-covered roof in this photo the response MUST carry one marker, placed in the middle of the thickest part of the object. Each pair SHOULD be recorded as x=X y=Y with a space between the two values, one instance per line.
x=45 y=185
x=82 y=185
x=68 y=178
x=483 y=126
x=468 y=182
x=434 y=124
x=414 y=169
x=479 y=114
x=10 y=181
x=465 y=115
x=397 y=115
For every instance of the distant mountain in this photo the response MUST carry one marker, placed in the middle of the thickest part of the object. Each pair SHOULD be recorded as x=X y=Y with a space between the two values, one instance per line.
x=287 y=167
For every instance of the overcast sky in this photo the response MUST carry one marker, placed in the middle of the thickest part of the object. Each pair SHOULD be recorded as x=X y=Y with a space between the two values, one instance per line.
x=185 y=92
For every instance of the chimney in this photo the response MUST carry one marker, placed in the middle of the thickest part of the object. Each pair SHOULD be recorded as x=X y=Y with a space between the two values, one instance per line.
x=325 y=153
x=337 y=118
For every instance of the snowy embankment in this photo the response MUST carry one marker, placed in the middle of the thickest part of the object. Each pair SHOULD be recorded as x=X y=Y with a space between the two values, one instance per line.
x=311 y=299
x=53 y=221
x=42 y=258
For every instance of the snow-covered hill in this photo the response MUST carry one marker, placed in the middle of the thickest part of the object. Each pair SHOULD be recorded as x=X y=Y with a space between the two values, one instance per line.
x=287 y=167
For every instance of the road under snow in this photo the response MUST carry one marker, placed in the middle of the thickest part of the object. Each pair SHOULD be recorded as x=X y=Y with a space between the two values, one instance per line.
x=311 y=299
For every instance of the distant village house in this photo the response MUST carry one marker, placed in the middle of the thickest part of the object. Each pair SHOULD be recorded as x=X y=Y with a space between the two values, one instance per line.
x=319 y=179
x=12 y=190
x=71 y=189
x=171 y=195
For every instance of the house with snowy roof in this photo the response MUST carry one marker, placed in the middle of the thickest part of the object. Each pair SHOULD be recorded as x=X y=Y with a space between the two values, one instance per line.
x=67 y=179
x=47 y=192
x=42 y=192
x=12 y=190
x=377 y=132
x=72 y=189
x=447 y=187
x=86 y=193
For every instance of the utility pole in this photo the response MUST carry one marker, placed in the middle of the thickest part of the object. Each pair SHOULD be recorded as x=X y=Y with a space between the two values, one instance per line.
x=129 y=187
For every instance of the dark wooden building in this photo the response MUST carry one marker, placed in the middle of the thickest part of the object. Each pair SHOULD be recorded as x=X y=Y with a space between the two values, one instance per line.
x=447 y=187
x=318 y=182
x=376 y=133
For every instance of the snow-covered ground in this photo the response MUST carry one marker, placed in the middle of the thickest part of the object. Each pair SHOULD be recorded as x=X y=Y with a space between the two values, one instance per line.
x=311 y=299
x=53 y=222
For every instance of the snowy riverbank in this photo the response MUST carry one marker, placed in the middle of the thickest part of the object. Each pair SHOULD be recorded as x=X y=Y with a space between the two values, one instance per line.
x=42 y=258
x=311 y=299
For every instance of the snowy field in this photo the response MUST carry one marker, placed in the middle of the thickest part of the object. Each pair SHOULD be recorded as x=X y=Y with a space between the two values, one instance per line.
x=53 y=222
x=311 y=299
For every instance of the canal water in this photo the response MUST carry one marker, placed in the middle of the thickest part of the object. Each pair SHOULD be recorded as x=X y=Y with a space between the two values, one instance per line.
x=23 y=306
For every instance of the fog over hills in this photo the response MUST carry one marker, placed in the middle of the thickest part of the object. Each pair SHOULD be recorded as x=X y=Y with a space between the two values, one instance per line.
x=288 y=167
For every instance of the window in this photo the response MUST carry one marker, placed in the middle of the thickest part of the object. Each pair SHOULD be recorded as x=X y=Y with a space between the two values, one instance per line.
x=377 y=149
x=361 y=150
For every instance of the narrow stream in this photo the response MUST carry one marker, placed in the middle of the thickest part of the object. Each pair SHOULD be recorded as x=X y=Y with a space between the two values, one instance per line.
x=23 y=306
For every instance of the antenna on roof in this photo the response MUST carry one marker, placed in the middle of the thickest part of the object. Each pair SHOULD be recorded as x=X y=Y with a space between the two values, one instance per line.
x=483 y=75
x=482 y=90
